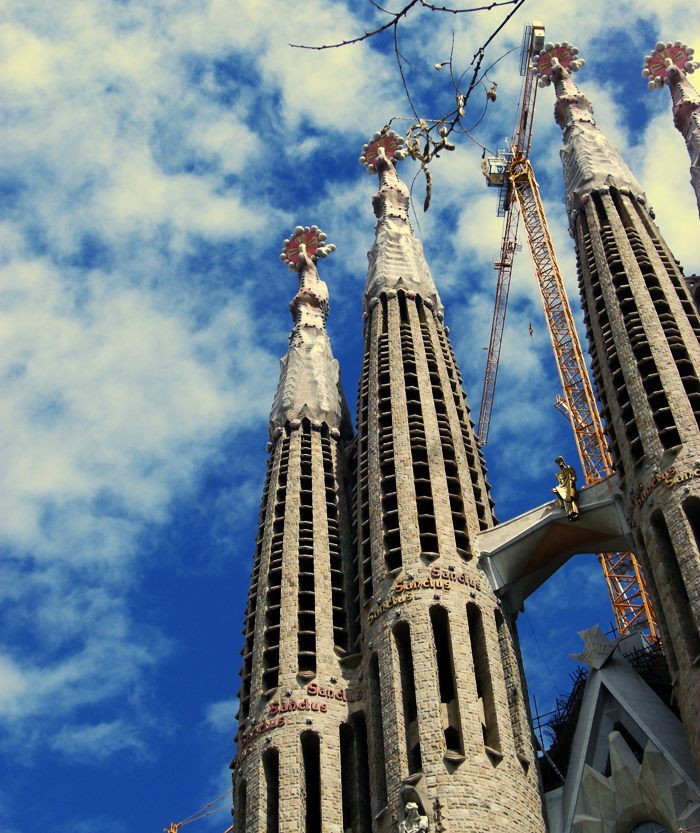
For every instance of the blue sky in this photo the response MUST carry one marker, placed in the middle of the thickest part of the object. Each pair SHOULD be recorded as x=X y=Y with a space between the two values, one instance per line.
x=154 y=157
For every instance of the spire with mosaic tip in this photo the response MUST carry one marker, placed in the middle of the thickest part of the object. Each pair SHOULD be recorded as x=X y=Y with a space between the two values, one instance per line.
x=590 y=161
x=669 y=64
x=397 y=254
x=309 y=385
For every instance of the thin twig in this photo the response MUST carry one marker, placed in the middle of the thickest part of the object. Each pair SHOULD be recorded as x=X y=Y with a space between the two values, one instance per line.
x=466 y=11
x=476 y=142
x=403 y=77
x=366 y=35
x=435 y=143
x=398 y=15
x=377 y=6
x=409 y=63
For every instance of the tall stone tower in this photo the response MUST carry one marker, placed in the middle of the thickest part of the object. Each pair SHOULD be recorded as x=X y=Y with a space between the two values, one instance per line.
x=643 y=333
x=445 y=702
x=669 y=64
x=301 y=616
x=382 y=687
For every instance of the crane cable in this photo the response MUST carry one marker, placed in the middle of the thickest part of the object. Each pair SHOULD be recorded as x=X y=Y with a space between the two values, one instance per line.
x=199 y=814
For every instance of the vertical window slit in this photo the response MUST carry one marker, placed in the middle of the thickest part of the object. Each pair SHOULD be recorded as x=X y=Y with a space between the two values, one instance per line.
x=339 y=601
x=449 y=457
x=306 y=636
x=475 y=458
x=594 y=310
x=348 y=777
x=673 y=580
x=427 y=530
x=651 y=380
x=378 y=764
x=402 y=638
x=241 y=808
x=387 y=465
x=482 y=675
x=271 y=770
x=659 y=611
x=451 y=721
x=362 y=527
x=271 y=635
x=671 y=270
x=362 y=780
x=311 y=784
x=249 y=620
x=511 y=675
x=667 y=320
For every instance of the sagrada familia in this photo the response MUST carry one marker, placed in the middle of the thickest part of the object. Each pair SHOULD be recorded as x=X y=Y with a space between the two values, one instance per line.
x=382 y=682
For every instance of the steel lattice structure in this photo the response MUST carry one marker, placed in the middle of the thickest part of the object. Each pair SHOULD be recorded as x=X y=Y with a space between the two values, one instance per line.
x=504 y=266
x=578 y=392
x=520 y=195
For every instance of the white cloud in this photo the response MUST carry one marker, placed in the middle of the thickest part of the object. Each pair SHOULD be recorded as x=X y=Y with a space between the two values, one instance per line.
x=221 y=716
x=92 y=744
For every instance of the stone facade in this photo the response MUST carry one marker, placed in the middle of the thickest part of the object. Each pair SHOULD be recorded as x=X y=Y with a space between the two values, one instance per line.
x=644 y=332
x=382 y=686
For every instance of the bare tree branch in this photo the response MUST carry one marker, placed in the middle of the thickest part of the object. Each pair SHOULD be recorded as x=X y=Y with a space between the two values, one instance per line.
x=395 y=22
x=377 y=6
x=397 y=17
x=427 y=138
x=403 y=77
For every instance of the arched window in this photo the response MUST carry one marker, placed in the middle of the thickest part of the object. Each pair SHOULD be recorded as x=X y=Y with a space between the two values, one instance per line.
x=241 y=808
x=649 y=827
x=311 y=757
x=691 y=507
x=376 y=729
x=402 y=638
x=482 y=674
x=451 y=723
x=674 y=580
x=271 y=769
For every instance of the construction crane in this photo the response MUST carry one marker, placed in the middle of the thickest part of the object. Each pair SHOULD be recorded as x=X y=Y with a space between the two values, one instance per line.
x=519 y=196
x=173 y=827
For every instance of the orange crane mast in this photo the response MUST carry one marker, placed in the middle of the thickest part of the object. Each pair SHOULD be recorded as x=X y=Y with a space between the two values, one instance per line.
x=519 y=195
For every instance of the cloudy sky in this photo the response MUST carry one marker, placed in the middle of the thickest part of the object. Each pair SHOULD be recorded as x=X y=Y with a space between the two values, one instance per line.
x=155 y=154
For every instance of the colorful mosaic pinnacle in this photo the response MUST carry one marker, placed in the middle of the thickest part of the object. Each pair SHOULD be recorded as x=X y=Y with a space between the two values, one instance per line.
x=555 y=54
x=661 y=65
x=314 y=242
x=388 y=144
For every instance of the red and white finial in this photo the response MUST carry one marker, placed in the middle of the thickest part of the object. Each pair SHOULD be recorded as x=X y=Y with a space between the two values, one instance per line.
x=555 y=54
x=665 y=57
x=314 y=241
x=389 y=144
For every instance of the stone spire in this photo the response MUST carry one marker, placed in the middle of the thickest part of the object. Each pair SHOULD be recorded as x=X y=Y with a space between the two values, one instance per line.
x=590 y=161
x=397 y=254
x=309 y=384
x=668 y=64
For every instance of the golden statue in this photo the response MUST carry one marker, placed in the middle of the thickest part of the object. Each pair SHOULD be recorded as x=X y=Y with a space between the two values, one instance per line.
x=566 y=490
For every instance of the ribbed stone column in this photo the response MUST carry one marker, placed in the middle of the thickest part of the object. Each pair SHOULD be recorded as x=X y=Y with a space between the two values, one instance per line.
x=643 y=333
x=446 y=705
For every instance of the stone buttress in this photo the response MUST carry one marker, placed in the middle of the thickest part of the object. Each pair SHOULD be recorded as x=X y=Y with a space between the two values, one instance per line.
x=297 y=732
x=643 y=333
x=445 y=698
